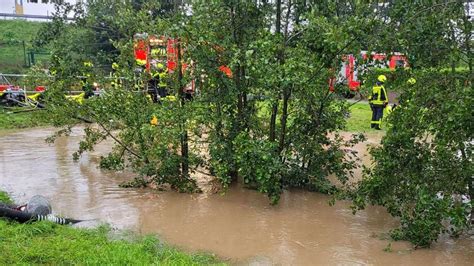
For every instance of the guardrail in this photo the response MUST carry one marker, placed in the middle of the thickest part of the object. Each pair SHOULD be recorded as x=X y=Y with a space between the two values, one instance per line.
x=10 y=15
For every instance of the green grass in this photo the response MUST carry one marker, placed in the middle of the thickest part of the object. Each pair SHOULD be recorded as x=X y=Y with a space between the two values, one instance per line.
x=4 y=197
x=359 y=120
x=12 y=34
x=360 y=116
x=47 y=243
x=10 y=120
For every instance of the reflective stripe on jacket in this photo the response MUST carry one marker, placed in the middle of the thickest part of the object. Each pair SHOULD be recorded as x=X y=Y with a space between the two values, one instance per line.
x=379 y=95
x=162 y=82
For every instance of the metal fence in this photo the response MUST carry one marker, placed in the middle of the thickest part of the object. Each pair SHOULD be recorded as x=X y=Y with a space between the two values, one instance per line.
x=16 y=55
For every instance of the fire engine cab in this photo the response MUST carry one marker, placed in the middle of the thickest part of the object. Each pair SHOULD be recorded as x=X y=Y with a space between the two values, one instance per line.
x=151 y=50
x=352 y=68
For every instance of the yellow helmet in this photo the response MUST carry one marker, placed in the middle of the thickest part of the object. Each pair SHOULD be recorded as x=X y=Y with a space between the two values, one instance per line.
x=160 y=66
x=411 y=81
x=88 y=64
x=171 y=98
x=140 y=62
x=115 y=66
x=382 y=78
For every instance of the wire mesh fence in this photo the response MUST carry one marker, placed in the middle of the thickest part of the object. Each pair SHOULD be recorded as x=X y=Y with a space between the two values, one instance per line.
x=16 y=56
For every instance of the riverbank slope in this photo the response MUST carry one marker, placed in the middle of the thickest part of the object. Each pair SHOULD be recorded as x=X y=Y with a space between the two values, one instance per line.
x=48 y=243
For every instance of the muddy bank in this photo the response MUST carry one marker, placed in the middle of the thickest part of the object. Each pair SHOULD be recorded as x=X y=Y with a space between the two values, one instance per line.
x=240 y=225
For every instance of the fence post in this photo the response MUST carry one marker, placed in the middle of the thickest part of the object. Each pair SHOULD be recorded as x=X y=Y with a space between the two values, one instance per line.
x=24 y=54
x=32 y=56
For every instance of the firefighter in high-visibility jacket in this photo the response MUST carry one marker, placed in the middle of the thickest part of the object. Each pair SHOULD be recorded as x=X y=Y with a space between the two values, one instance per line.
x=116 y=82
x=157 y=83
x=87 y=80
x=404 y=98
x=378 y=100
x=139 y=71
x=163 y=82
x=153 y=84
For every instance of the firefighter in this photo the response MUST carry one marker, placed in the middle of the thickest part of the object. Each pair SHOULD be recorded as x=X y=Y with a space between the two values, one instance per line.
x=153 y=84
x=378 y=101
x=163 y=77
x=86 y=80
x=410 y=82
x=139 y=71
x=116 y=80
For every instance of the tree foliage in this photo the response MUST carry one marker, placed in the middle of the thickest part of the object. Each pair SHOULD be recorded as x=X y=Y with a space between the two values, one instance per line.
x=423 y=169
x=274 y=124
x=230 y=114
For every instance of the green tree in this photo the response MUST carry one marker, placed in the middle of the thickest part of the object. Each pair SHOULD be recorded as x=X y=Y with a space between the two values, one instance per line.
x=276 y=66
x=423 y=170
x=271 y=125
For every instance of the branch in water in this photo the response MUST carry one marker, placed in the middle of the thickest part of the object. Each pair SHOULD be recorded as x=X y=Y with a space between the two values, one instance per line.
x=118 y=141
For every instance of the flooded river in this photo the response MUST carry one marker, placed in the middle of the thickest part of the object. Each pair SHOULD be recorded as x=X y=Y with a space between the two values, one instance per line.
x=240 y=226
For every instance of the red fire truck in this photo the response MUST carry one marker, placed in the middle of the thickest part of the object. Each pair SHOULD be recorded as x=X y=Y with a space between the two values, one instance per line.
x=353 y=67
x=151 y=50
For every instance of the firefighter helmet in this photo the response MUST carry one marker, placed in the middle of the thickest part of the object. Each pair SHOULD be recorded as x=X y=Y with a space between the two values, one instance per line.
x=382 y=78
x=88 y=64
x=140 y=62
x=411 y=81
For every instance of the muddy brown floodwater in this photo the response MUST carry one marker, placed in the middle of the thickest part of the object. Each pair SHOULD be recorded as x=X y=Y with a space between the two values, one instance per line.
x=239 y=226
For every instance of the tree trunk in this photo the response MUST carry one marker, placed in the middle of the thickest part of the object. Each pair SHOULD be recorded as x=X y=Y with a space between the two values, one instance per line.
x=470 y=180
x=471 y=196
x=468 y=37
x=284 y=119
x=286 y=90
x=278 y=17
x=239 y=122
x=453 y=61
x=275 y=104
x=184 y=131
x=273 y=121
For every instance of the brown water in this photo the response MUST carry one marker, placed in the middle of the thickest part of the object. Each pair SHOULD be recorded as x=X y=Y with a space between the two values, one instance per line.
x=239 y=226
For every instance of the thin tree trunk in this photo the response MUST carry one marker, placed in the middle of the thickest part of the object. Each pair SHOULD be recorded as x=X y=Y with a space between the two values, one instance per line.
x=468 y=37
x=468 y=34
x=184 y=131
x=453 y=61
x=471 y=196
x=238 y=122
x=278 y=17
x=470 y=180
x=284 y=119
x=286 y=90
x=273 y=121
x=273 y=116
x=241 y=100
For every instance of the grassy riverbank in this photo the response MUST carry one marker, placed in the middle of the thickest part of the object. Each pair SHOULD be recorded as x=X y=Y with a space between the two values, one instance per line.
x=47 y=243
x=11 y=120
x=359 y=120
